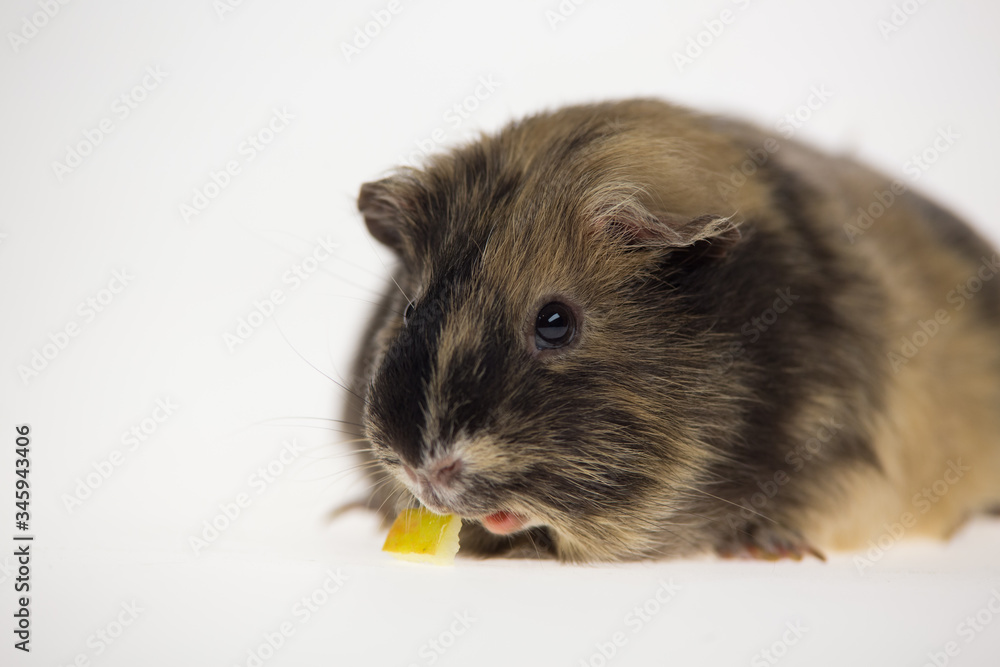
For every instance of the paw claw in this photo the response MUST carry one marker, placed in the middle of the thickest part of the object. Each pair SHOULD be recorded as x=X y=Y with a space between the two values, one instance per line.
x=770 y=544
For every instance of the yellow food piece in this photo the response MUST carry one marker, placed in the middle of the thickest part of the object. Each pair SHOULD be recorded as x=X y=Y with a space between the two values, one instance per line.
x=424 y=537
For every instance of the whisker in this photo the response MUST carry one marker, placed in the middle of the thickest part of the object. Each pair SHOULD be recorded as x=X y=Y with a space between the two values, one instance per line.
x=343 y=455
x=380 y=305
x=314 y=366
x=341 y=474
x=308 y=242
x=369 y=463
x=329 y=429
x=394 y=497
x=388 y=272
x=683 y=538
x=391 y=496
x=380 y=484
x=326 y=419
x=742 y=507
x=531 y=539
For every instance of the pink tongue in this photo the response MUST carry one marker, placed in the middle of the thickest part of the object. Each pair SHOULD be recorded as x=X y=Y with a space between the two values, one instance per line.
x=504 y=522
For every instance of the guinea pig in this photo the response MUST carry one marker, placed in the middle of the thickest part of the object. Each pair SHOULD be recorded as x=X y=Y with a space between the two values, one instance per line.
x=629 y=330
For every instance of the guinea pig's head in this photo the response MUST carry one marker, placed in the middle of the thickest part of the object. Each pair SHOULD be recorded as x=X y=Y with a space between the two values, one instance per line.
x=545 y=360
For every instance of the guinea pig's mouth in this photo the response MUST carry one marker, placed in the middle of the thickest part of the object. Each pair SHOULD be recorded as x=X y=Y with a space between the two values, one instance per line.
x=501 y=522
x=447 y=501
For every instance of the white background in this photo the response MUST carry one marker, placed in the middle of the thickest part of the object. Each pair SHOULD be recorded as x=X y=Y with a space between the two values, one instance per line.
x=190 y=282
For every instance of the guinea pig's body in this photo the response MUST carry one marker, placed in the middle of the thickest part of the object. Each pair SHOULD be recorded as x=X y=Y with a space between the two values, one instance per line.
x=628 y=331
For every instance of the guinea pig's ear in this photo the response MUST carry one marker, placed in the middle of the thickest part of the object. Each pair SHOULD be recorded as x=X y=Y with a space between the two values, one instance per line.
x=387 y=208
x=715 y=233
x=635 y=226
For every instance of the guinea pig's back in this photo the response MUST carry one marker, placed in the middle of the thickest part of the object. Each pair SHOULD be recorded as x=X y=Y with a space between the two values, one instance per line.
x=937 y=436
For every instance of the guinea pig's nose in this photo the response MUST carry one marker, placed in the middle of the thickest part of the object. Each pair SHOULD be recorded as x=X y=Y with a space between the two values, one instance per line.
x=442 y=473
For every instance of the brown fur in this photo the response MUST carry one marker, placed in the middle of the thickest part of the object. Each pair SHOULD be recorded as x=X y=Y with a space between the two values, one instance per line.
x=650 y=436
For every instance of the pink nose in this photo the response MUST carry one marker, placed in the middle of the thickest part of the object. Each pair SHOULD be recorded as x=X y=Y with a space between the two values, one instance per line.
x=437 y=474
x=443 y=473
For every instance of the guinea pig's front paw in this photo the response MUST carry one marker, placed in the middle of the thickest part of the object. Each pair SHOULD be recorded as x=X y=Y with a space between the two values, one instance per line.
x=761 y=542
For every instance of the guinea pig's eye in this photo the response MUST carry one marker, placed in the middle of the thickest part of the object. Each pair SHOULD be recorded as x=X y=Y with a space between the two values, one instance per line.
x=408 y=313
x=555 y=326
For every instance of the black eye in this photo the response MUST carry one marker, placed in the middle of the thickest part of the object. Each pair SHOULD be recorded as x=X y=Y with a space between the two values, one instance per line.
x=554 y=326
x=408 y=313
